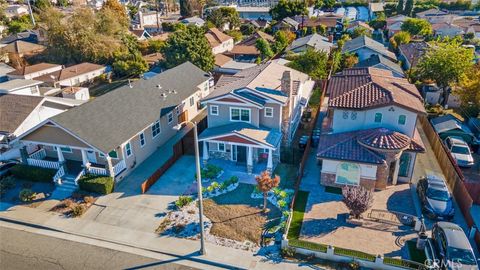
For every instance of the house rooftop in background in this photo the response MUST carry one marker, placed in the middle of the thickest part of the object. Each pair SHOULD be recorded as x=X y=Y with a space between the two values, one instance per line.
x=17 y=84
x=216 y=37
x=376 y=7
x=22 y=47
x=314 y=41
x=26 y=70
x=194 y=20
x=412 y=52
x=362 y=88
x=430 y=13
x=379 y=61
x=28 y=36
x=4 y=70
x=70 y=72
x=119 y=115
x=14 y=109
x=361 y=42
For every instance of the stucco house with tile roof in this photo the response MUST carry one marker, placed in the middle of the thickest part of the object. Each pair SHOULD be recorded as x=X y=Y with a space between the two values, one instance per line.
x=219 y=41
x=115 y=132
x=254 y=112
x=370 y=137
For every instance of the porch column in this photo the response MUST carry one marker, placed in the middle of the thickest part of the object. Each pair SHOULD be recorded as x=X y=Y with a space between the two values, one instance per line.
x=61 y=159
x=205 y=152
x=395 y=172
x=270 y=160
x=249 y=160
x=24 y=155
x=109 y=166
x=85 y=162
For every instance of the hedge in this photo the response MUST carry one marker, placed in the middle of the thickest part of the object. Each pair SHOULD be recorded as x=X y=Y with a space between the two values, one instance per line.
x=32 y=173
x=402 y=263
x=96 y=183
x=307 y=245
x=354 y=254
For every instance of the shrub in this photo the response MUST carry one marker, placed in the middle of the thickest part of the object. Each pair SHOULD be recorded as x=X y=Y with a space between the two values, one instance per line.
x=283 y=195
x=224 y=185
x=288 y=252
x=210 y=172
x=26 y=195
x=78 y=210
x=6 y=183
x=183 y=201
x=276 y=191
x=97 y=184
x=215 y=185
x=357 y=199
x=68 y=203
x=282 y=203
x=36 y=174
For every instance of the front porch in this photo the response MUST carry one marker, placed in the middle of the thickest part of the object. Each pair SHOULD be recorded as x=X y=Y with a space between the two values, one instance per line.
x=73 y=163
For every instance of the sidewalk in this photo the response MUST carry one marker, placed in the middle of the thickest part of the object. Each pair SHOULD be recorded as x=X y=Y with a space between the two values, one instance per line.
x=185 y=251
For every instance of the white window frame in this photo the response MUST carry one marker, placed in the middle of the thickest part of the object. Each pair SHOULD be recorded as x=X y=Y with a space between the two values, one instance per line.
x=159 y=129
x=63 y=150
x=224 y=147
x=177 y=109
x=170 y=115
x=240 y=114
x=271 y=112
x=128 y=147
x=211 y=109
x=142 y=138
x=192 y=101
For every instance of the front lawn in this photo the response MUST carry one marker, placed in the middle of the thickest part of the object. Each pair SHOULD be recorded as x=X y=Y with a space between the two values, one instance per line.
x=35 y=193
x=298 y=212
x=237 y=216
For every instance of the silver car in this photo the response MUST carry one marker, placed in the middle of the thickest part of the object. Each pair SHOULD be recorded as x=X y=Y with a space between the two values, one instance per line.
x=460 y=151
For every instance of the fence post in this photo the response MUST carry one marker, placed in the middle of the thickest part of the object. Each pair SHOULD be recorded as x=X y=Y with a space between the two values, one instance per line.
x=330 y=251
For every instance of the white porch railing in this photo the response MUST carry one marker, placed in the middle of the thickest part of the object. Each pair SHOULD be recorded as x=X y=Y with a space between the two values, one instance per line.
x=82 y=173
x=119 y=167
x=43 y=163
x=40 y=154
x=97 y=171
x=57 y=177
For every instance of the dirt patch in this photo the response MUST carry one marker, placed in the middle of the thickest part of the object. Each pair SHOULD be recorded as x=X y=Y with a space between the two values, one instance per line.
x=75 y=206
x=239 y=222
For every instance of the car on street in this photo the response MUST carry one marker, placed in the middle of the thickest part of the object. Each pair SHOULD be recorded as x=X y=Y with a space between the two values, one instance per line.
x=460 y=151
x=437 y=202
x=6 y=165
x=453 y=248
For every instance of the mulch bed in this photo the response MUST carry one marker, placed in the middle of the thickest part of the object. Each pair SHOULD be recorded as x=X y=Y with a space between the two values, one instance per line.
x=66 y=206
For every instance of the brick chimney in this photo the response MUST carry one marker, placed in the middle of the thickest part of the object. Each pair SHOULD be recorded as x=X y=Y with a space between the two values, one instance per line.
x=286 y=88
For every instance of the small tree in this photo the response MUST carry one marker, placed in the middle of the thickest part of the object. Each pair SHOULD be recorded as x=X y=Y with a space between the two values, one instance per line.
x=265 y=183
x=357 y=199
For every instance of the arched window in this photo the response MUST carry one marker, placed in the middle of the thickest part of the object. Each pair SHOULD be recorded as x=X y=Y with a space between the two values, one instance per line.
x=378 y=117
x=348 y=174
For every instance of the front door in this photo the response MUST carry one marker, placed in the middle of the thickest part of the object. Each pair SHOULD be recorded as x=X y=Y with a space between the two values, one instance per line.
x=241 y=154
x=234 y=152
x=91 y=157
x=405 y=160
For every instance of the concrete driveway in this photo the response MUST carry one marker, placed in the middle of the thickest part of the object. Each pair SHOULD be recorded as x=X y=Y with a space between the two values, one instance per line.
x=128 y=208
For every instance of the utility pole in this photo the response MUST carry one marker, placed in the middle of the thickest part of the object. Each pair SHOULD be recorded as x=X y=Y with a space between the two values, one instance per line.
x=199 y=187
x=31 y=13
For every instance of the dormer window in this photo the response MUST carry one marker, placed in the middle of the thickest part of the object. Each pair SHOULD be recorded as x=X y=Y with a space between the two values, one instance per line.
x=239 y=115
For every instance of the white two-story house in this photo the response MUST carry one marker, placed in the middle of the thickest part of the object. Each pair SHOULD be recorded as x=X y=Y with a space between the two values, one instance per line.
x=252 y=113
x=115 y=132
x=371 y=138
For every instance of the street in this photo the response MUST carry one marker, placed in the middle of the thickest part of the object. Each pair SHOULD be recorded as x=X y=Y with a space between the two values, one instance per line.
x=24 y=250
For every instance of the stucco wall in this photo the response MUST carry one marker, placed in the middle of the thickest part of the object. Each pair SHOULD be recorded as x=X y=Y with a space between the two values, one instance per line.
x=223 y=117
x=366 y=171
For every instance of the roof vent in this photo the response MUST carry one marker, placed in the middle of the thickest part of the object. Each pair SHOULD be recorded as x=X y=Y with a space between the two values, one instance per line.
x=164 y=96
x=159 y=86
x=173 y=91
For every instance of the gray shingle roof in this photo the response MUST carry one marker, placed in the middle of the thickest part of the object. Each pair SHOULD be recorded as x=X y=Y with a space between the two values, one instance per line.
x=364 y=41
x=318 y=42
x=14 y=109
x=261 y=135
x=376 y=59
x=112 y=119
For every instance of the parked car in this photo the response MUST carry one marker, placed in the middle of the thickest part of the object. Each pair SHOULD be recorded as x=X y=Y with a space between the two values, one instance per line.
x=436 y=200
x=460 y=151
x=6 y=165
x=454 y=249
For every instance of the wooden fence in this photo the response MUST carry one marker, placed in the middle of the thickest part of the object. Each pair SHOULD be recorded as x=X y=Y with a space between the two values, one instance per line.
x=453 y=175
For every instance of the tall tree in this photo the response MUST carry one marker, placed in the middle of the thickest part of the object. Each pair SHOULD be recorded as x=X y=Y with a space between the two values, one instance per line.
x=264 y=48
x=311 y=62
x=409 y=4
x=357 y=199
x=400 y=6
x=329 y=3
x=399 y=38
x=224 y=16
x=186 y=8
x=265 y=183
x=468 y=87
x=118 y=9
x=417 y=27
x=188 y=45
x=444 y=63
x=286 y=8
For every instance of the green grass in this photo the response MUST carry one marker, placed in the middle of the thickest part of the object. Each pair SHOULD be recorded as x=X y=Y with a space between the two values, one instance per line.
x=354 y=254
x=334 y=190
x=315 y=98
x=307 y=245
x=401 y=263
x=415 y=254
x=287 y=173
x=297 y=216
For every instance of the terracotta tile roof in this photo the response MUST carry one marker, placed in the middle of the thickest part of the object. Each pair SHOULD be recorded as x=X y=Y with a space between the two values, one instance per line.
x=366 y=146
x=364 y=88
x=33 y=68
x=14 y=109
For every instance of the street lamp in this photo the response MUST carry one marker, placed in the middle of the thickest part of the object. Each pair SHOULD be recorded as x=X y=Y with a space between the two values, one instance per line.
x=199 y=184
